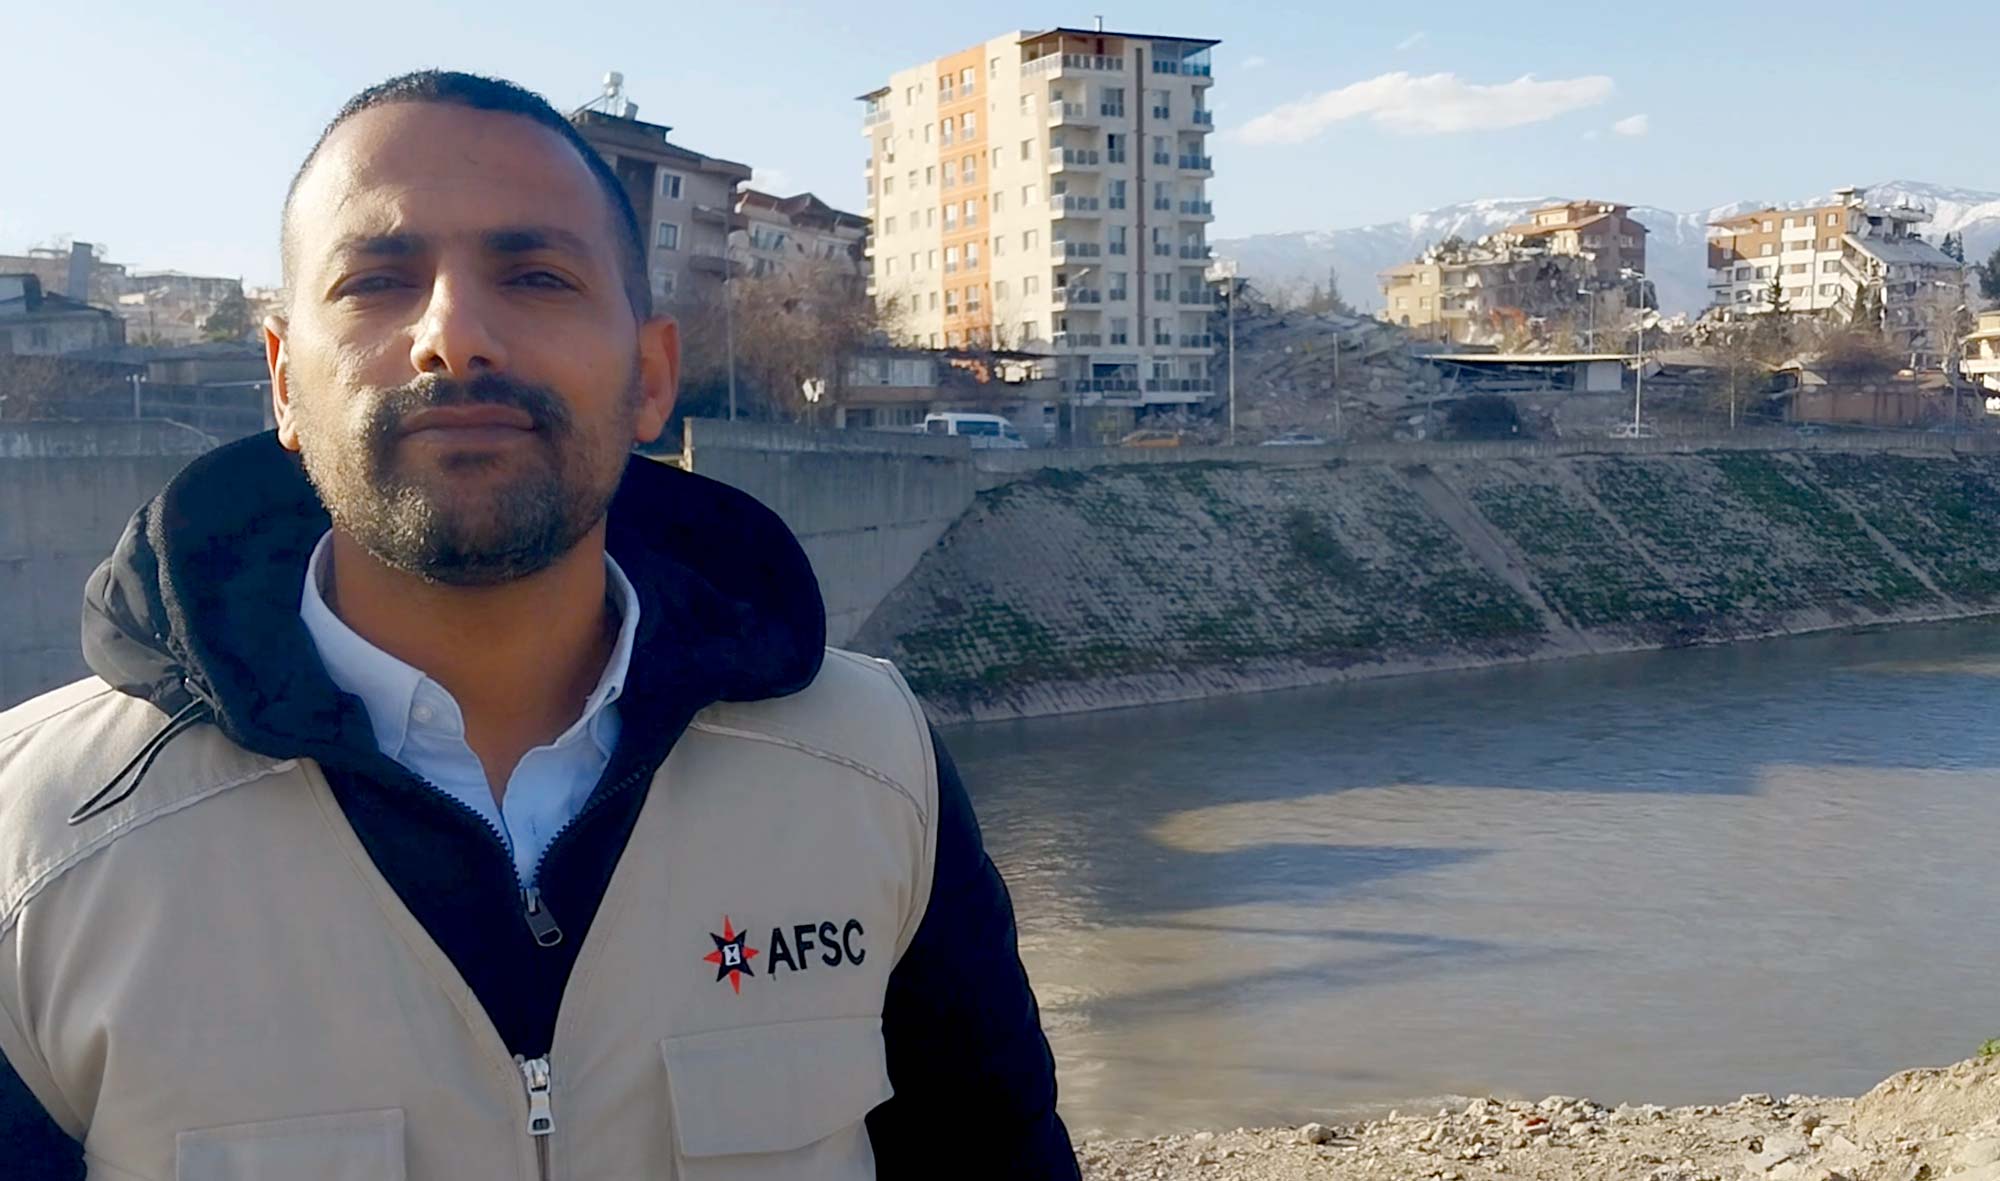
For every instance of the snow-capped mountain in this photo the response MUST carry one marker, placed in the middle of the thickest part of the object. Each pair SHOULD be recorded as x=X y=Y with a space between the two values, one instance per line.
x=1676 y=245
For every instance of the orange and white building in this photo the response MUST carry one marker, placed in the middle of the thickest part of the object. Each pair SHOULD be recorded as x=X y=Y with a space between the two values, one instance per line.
x=1047 y=192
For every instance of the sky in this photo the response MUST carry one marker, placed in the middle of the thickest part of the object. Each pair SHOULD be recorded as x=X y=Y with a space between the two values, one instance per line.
x=168 y=129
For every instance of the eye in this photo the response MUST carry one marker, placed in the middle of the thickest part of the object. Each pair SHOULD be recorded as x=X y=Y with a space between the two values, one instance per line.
x=370 y=285
x=544 y=279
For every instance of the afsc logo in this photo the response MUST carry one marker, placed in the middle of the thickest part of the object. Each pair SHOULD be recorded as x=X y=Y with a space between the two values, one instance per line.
x=833 y=944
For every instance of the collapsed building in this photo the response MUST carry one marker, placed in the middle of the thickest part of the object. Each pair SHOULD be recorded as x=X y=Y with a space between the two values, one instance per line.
x=1572 y=269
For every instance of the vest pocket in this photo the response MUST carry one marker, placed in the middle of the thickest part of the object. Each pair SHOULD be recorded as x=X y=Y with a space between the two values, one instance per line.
x=777 y=1101
x=350 y=1146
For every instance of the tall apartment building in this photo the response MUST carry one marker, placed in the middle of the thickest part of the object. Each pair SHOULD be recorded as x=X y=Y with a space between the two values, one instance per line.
x=1824 y=257
x=1047 y=192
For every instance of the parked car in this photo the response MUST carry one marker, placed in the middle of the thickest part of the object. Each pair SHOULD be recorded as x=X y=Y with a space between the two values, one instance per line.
x=1814 y=428
x=1151 y=438
x=1635 y=430
x=988 y=432
x=1294 y=439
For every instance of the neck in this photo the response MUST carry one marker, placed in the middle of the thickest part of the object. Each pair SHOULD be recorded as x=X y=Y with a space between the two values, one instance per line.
x=520 y=658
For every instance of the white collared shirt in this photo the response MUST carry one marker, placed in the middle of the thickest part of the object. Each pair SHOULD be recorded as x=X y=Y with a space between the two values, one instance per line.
x=418 y=724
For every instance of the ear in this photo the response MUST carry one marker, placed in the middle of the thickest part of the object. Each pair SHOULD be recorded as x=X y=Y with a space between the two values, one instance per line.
x=279 y=363
x=659 y=377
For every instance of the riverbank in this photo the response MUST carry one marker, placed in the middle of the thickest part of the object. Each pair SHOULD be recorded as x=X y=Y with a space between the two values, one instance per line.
x=1078 y=589
x=1920 y=1125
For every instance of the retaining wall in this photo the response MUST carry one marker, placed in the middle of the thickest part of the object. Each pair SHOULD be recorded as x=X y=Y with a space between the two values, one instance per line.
x=66 y=493
x=866 y=505
x=1153 y=576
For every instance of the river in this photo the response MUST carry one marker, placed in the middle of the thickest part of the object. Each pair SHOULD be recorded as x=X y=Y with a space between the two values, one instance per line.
x=1667 y=877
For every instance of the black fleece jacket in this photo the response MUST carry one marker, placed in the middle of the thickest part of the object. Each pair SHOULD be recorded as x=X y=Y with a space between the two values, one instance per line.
x=196 y=612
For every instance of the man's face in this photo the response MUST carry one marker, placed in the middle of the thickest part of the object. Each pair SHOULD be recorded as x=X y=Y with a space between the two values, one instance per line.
x=461 y=368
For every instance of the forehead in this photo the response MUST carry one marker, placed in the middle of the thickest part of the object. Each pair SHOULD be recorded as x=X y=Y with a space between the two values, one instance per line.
x=442 y=170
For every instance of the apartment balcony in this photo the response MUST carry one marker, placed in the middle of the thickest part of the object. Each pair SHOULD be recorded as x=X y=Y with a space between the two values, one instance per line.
x=1198 y=341
x=712 y=213
x=1204 y=164
x=1197 y=298
x=873 y=118
x=1163 y=159
x=1199 y=254
x=1180 y=385
x=1163 y=249
x=1061 y=249
x=1073 y=295
x=1078 y=113
x=1077 y=340
x=1062 y=159
x=1101 y=385
x=1056 y=65
x=1204 y=118
x=708 y=263
x=1198 y=210
x=1072 y=205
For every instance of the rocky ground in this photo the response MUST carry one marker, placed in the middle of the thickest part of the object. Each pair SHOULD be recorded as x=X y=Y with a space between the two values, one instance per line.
x=1921 y=1125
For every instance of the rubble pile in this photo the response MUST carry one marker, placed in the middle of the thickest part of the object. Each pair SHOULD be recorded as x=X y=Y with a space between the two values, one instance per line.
x=1291 y=365
x=1921 y=1125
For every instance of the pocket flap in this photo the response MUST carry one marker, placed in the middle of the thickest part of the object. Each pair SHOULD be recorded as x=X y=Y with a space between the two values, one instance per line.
x=774 y=1088
x=349 y=1146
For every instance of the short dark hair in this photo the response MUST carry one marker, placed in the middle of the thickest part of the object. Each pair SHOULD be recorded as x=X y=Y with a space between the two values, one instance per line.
x=480 y=93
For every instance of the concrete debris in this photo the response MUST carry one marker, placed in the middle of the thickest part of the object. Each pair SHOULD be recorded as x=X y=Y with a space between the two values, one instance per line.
x=1929 y=1125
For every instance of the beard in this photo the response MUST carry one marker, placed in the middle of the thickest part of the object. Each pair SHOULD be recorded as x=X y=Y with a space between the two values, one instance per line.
x=428 y=518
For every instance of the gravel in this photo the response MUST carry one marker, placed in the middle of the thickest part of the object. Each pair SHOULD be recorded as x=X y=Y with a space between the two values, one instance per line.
x=1922 y=1125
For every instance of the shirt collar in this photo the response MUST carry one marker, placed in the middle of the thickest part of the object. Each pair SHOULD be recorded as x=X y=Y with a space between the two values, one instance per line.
x=389 y=687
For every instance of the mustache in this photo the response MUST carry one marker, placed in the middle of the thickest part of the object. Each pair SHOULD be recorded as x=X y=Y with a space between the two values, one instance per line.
x=548 y=411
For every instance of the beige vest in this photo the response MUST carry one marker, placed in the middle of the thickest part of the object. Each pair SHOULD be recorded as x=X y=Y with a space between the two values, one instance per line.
x=213 y=982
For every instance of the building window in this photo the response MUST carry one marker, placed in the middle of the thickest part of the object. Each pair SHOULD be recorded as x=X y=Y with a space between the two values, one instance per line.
x=1027 y=104
x=889 y=225
x=993 y=67
x=1830 y=219
x=951 y=301
x=927 y=133
x=1425 y=278
x=971 y=300
x=999 y=289
x=1030 y=239
x=999 y=245
x=1029 y=194
x=951 y=217
x=930 y=262
x=930 y=217
x=971 y=255
x=1163 y=286
x=1768 y=248
x=889 y=266
x=888 y=185
x=1744 y=273
x=971 y=212
x=944 y=87
x=1402 y=301
x=947 y=132
x=1767 y=225
x=934 y=296
x=663 y=284
x=1027 y=149
x=667 y=236
x=968 y=169
x=967 y=124
x=1031 y=285
x=999 y=200
x=1121 y=330
x=909 y=96
x=670 y=185
x=930 y=178
x=965 y=80
x=1424 y=302
x=1831 y=266
x=997 y=157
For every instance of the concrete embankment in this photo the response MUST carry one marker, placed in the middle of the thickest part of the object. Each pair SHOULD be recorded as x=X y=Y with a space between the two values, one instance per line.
x=1133 y=581
x=1921 y=1125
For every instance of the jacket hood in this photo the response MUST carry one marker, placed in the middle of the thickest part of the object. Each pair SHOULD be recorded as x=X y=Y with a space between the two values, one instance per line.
x=198 y=604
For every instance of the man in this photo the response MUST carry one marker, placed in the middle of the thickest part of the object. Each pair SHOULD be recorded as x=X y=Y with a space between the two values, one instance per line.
x=457 y=797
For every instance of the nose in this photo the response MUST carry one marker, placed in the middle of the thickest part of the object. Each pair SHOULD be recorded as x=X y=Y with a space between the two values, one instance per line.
x=456 y=336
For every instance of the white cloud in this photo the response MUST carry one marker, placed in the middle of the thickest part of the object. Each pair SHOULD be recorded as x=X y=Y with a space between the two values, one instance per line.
x=1433 y=104
x=1631 y=125
x=1413 y=40
x=1253 y=63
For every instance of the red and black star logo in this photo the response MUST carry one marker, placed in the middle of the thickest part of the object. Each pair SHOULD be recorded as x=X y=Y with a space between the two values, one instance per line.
x=731 y=957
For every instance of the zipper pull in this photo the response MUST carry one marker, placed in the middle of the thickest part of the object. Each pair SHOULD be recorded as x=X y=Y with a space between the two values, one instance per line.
x=540 y=921
x=535 y=1073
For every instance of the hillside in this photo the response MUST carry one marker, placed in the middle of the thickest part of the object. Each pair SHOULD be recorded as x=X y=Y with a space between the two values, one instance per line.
x=1676 y=250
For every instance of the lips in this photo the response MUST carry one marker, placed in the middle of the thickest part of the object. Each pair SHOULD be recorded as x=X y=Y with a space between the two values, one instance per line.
x=483 y=419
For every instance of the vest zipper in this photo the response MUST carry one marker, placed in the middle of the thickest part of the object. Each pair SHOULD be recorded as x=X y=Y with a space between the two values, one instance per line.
x=541 y=1117
x=540 y=921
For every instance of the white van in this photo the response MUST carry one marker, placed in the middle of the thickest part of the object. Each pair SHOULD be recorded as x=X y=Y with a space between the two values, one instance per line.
x=987 y=431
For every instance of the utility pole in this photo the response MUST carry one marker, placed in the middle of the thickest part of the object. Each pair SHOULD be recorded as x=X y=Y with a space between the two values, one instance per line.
x=729 y=316
x=1232 y=360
